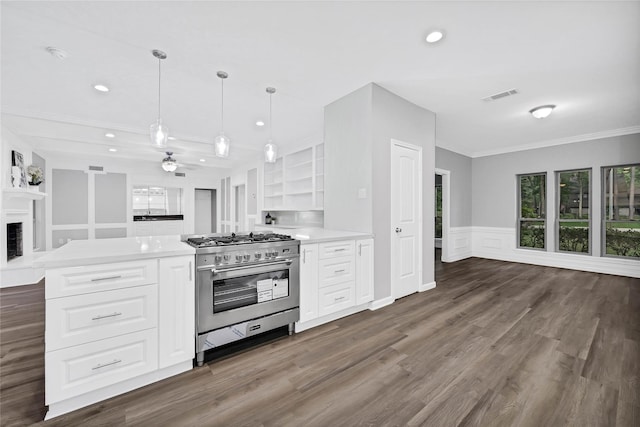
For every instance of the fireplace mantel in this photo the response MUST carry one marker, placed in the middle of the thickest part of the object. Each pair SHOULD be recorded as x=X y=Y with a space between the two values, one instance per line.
x=23 y=193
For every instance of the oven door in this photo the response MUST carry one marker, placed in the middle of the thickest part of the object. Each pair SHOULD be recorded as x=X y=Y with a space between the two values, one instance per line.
x=231 y=294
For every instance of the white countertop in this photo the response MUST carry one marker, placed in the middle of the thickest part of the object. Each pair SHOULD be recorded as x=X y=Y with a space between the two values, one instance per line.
x=101 y=251
x=310 y=235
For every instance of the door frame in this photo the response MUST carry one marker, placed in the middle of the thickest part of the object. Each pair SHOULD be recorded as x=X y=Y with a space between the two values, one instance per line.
x=394 y=266
x=446 y=204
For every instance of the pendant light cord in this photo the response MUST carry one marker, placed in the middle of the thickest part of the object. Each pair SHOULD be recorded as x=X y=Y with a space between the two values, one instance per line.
x=159 y=77
x=270 y=119
x=222 y=106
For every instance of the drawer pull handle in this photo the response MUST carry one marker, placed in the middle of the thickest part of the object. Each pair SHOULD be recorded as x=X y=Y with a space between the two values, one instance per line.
x=106 y=278
x=107 y=315
x=338 y=299
x=98 y=366
x=338 y=271
x=339 y=250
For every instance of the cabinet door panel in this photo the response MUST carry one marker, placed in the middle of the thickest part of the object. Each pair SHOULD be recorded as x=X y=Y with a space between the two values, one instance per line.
x=336 y=270
x=337 y=297
x=308 y=282
x=364 y=271
x=336 y=249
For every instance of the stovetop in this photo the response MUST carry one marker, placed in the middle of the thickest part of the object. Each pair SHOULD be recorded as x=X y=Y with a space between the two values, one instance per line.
x=234 y=239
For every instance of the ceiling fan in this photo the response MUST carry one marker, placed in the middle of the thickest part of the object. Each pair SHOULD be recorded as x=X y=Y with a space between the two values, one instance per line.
x=169 y=164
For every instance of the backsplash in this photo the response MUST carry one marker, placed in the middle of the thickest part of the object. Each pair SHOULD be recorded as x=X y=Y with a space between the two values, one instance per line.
x=297 y=218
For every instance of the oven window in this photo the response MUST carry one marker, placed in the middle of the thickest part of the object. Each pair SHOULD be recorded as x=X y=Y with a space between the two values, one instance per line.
x=248 y=290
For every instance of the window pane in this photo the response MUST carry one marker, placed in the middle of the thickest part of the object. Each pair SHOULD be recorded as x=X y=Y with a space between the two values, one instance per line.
x=574 y=236
x=532 y=234
x=438 y=210
x=622 y=193
x=532 y=196
x=623 y=238
x=574 y=195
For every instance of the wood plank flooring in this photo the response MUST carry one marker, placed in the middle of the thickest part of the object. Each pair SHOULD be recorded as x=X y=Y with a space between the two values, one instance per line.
x=495 y=344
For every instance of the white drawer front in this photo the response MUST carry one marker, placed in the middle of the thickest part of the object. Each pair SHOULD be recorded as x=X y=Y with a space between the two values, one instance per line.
x=336 y=298
x=84 y=318
x=336 y=249
x=336 y=270
x=63 y=282
x=76 y=370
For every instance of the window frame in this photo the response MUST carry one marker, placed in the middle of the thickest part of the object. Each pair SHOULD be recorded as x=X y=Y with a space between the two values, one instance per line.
x=558 y=220
x=519 y=218
x=603 y=213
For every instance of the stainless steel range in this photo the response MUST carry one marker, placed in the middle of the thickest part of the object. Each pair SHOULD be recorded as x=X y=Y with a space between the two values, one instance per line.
x=246 y=284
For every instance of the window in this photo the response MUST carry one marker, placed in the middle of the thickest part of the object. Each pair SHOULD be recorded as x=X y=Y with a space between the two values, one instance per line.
x=621 y=216
x=573 y=231
x=532 y=210
x=438 y=207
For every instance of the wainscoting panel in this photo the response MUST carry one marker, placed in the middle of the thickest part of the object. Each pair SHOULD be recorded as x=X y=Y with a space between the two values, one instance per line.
x=459 y=244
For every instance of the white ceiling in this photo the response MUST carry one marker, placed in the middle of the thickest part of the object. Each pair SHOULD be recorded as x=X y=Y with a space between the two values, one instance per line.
x=583 y=56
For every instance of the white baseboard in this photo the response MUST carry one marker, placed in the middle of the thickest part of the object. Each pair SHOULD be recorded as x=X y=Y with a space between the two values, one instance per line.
x=426 y=286
x=20 y=271
x=379 y=303
x=500 y=243
x=458 y=245
x=303 y=326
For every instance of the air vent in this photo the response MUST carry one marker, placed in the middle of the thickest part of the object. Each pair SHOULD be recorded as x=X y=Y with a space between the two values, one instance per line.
x=96 y=168
x=500 y=95
x=182 y=174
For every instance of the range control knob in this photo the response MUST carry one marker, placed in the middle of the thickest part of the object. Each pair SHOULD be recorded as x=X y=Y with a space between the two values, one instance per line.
x=258 y=255
x=238 y=258
x=274 y=254
x=218 y=258
x=227 y=257
x=246 y=257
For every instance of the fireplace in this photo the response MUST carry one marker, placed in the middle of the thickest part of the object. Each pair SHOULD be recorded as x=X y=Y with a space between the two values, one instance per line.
x=14 y=240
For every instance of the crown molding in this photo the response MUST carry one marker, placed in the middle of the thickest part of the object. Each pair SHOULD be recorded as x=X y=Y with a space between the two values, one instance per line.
x=559 y=141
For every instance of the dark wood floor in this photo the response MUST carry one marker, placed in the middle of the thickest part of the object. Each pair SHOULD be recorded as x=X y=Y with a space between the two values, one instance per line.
x=495 y=344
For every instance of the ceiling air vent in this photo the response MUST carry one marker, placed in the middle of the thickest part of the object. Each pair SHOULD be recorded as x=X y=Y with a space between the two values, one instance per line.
x=504 y=94
x=181 y=174
x=96 y=168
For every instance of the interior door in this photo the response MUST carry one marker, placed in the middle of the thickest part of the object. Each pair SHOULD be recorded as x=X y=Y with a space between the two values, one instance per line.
x=406 y=219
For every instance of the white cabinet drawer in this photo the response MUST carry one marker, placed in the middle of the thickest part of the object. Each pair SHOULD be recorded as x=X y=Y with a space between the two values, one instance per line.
x=336 y=249
x=64 y=282
x=337 y=297
x=76 y=370
x=336 y=270
x=84 y=318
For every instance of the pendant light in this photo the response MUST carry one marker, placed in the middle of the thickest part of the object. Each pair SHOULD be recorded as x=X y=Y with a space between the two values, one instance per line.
x=158 y=131
x=270 y=149
x=169 y=164
x=221 y=142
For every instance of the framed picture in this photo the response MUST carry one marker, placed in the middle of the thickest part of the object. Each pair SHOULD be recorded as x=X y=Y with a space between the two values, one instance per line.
x=18 y=161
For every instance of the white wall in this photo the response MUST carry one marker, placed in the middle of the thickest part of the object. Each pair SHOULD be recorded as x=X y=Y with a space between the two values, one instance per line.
x=459 y=185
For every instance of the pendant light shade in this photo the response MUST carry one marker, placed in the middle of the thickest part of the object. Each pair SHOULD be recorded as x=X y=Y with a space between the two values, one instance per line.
x=270 y=149
x=169 y=164
x=159 y=132
x=221 y=142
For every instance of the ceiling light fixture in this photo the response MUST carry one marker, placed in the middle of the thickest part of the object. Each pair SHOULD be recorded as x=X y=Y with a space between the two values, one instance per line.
x=169 y=164
x=270 y=149
x=221 y=142
x=110 y=135
x=101 y=88
x=260 y=123
x=158 y=131
x=171 y=138
x=542 y=111
x=113 y=150
x=434 y=36
x=203 y=160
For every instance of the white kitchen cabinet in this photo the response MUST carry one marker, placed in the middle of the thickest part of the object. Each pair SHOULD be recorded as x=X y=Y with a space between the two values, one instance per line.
x=177 y=310
x=364 y=271
x=336 y=297
x=158 y=228
x=308 y=282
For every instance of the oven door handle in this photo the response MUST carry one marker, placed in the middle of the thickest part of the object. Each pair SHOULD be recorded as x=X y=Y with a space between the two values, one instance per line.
x=245 y=267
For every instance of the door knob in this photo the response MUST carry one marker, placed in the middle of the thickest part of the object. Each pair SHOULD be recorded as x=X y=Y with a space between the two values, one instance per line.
x=398 y=229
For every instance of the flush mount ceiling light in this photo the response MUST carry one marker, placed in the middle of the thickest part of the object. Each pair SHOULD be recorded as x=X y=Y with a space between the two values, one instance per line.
x=270 y=149
x=542 y=111
x=203 y=160
x=113 y=150
x=110 y=135
x=169 y=164
x=171 y=138
x=101 y=88
x=260 y=123
x=158 y=131
x=221 y=142
x=434 y=36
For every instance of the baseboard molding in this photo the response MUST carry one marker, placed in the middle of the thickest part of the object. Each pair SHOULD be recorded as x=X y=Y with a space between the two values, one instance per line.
x=458 y=245
x=379 y=303
x=303 y=326
x=500 y=243
x=426 y=286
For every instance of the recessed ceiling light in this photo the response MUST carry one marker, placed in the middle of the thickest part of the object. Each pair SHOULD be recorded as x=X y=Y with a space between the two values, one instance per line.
x=101 y=88
x=202 y=160
x=110 y=135
x=434 y=36
x=259 y=123
x=171 y=138
x=542 y=111
x=113 y=150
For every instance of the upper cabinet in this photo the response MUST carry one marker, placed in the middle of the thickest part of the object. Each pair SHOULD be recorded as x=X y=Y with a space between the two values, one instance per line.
x=295 y=181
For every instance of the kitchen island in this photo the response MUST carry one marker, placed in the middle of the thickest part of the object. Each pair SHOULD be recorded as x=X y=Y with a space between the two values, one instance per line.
x=119 y=315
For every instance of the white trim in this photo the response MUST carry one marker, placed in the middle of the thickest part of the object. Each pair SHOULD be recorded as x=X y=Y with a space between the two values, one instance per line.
x=559 y=141
x=379 y=303
x=427 y=286
x=500 y=243
x=445 y=243
x=58 y=408
x=459 y=244
x=303 y=326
